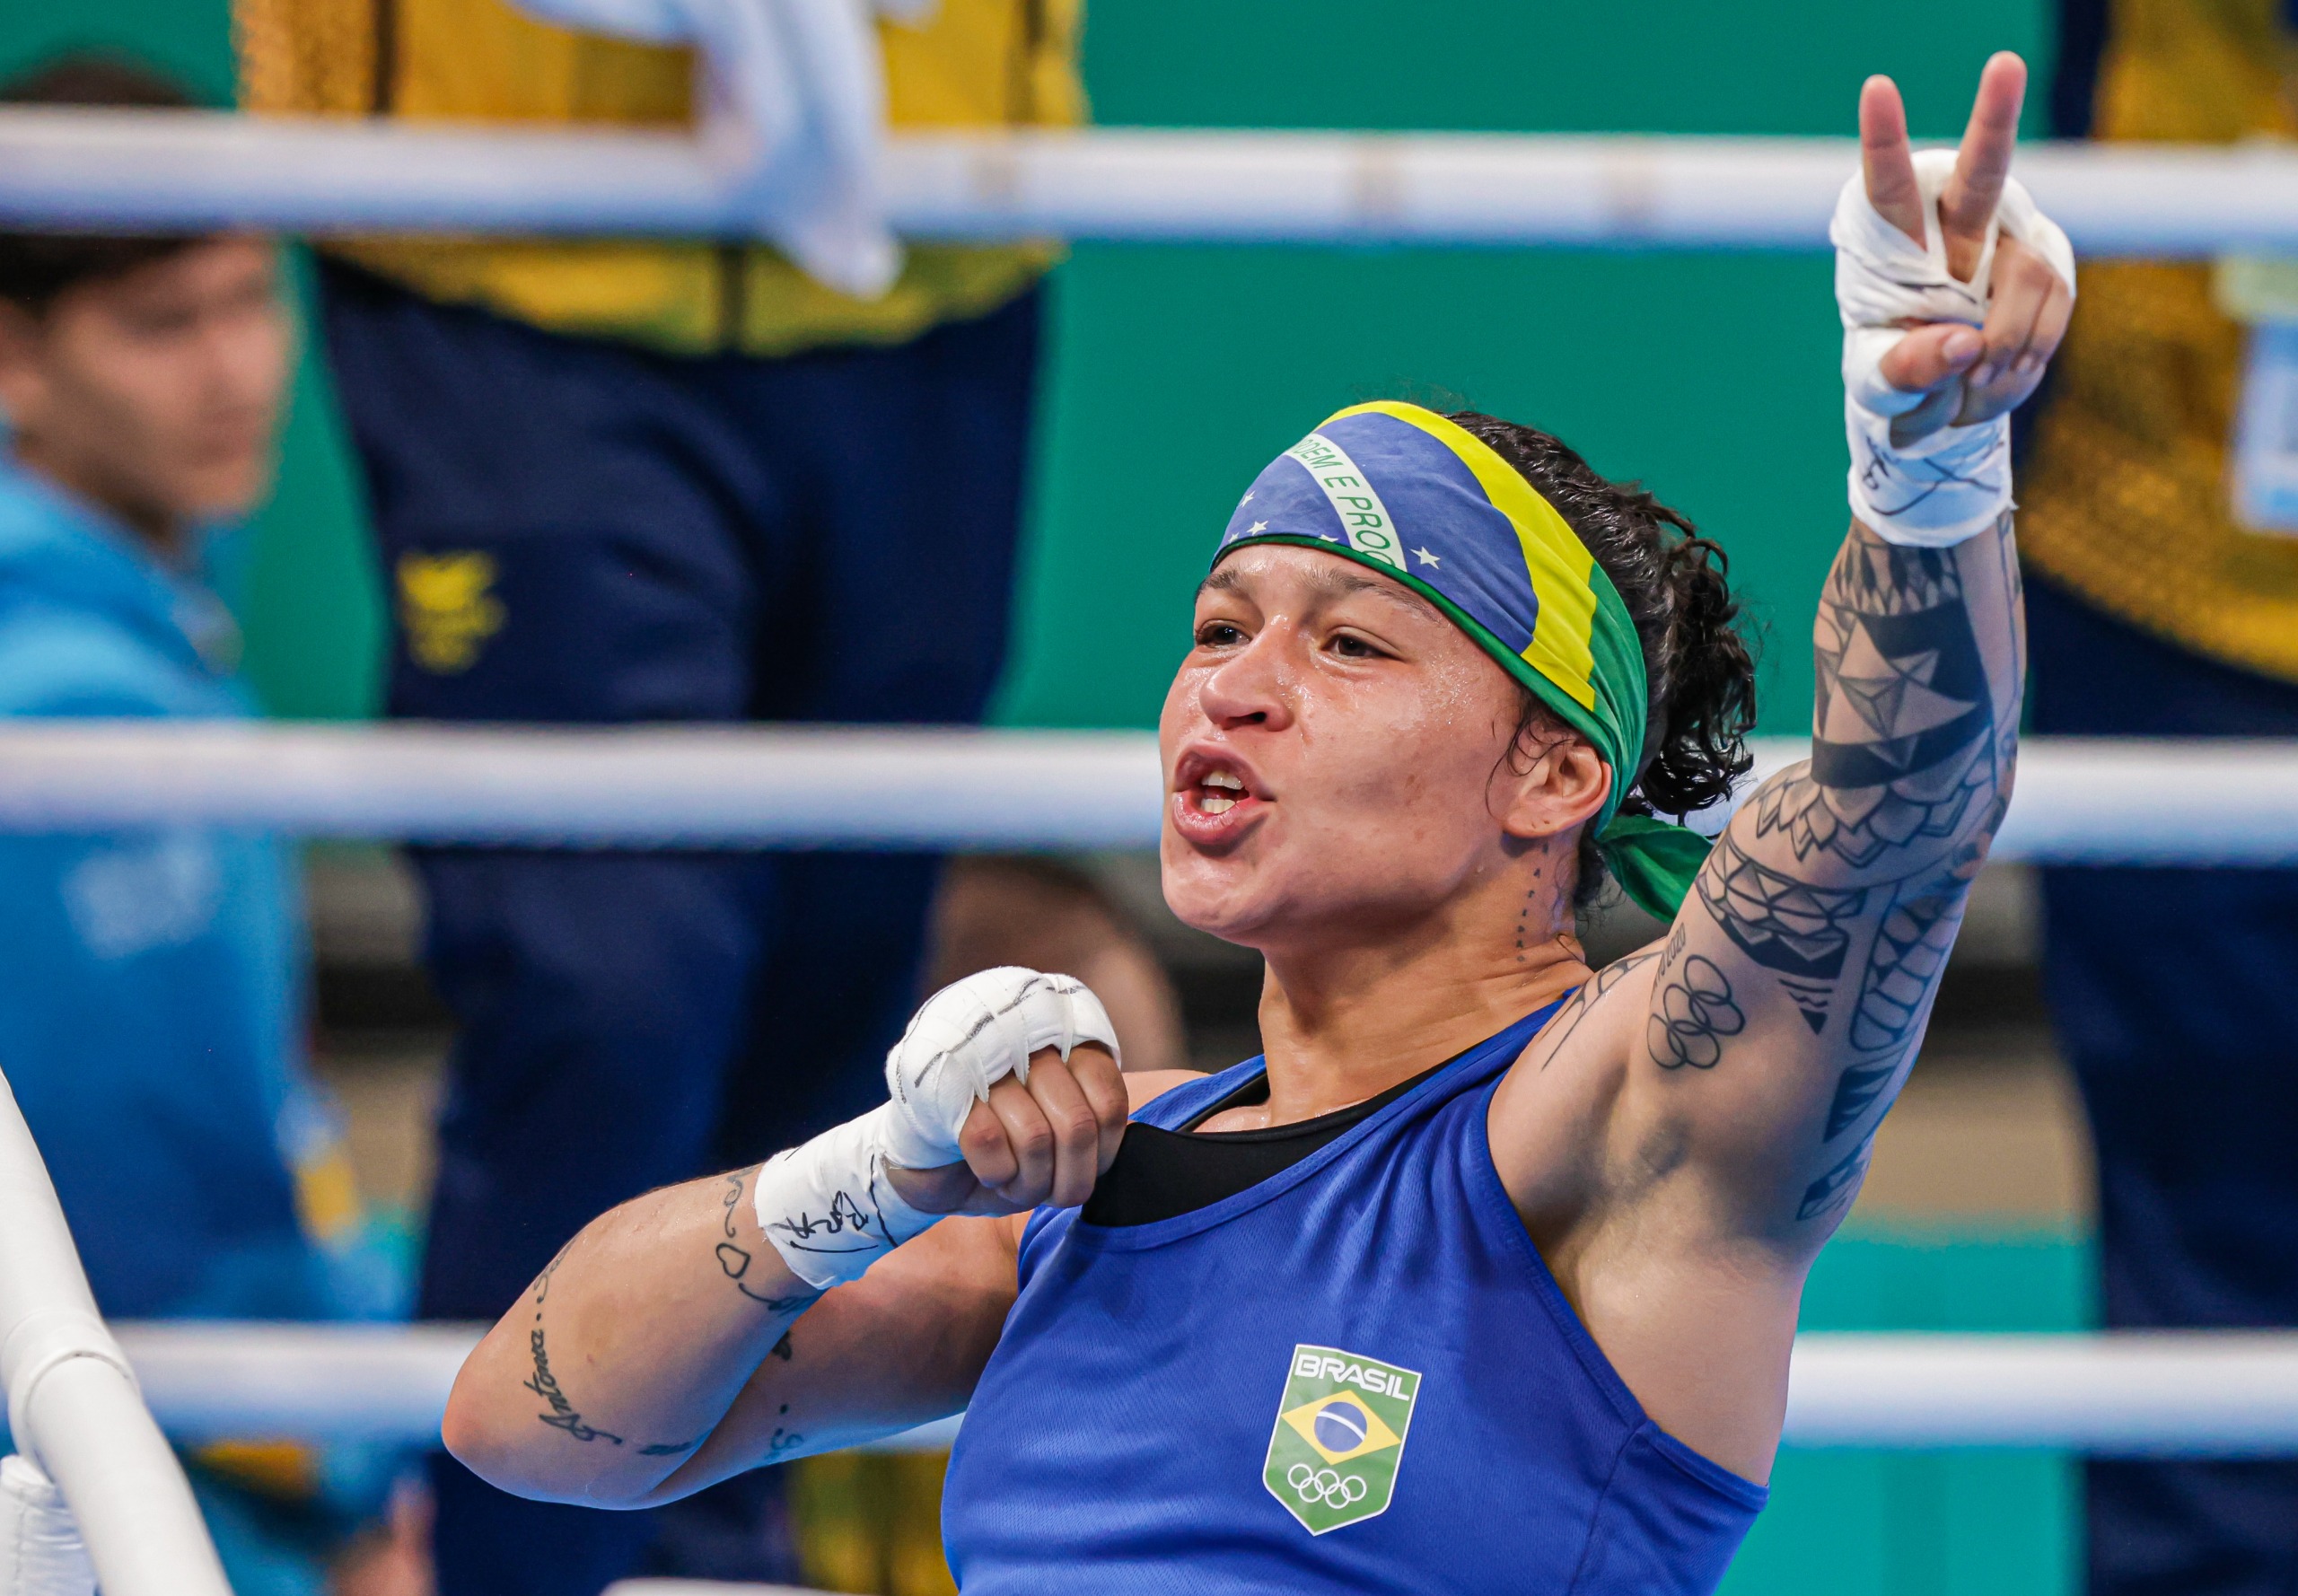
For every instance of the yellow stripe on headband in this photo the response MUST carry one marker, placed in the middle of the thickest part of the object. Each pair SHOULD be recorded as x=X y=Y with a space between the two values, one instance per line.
x=1555 y=558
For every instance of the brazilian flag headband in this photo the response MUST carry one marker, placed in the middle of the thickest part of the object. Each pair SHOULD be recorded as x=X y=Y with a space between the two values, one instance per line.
x=1423 y=501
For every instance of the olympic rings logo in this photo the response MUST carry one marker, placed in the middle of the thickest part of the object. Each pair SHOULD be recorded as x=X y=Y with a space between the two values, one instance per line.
x=1326 y=1485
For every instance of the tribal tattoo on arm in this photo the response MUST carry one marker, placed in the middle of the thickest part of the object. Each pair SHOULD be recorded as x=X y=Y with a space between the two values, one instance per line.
x=1906 y=748
x=1821 y=922
x=1592 y=991
x=1798 y=932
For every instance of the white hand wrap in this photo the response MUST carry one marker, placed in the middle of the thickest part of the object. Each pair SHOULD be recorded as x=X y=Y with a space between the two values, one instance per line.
x=1953 y=483
x=40 y=1551
x=828 y=1206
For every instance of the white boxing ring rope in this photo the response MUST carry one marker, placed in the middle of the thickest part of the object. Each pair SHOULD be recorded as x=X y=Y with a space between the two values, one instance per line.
x=649 y=787
x=2222 y=802
x=195 y=169
x=2215 y=1394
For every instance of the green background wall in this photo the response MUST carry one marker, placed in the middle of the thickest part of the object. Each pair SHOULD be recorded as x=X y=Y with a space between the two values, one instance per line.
x=1855 y=1522
x=1179 y=372
x=1711 y=377
x=1174 y=373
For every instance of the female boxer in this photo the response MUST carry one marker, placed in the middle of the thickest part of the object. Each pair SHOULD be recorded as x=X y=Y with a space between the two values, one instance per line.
x=1485 y=1276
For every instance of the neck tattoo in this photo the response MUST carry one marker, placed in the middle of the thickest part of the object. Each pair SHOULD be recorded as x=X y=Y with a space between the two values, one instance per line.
x=1524 y=915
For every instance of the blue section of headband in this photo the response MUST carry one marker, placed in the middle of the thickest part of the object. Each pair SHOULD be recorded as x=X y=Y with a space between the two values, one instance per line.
x=1450 y=537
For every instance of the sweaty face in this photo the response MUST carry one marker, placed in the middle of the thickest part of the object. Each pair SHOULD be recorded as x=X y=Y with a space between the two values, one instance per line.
x=156 y=393
x=1330 y=749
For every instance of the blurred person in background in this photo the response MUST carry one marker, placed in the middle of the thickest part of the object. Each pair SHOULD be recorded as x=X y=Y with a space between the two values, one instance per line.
x=631 y=480
x=1039 y=914
x=2156 y=608
x=151 y=982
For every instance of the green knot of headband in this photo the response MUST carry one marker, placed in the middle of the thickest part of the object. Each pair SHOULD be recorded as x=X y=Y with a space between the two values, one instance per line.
x=1422 y=500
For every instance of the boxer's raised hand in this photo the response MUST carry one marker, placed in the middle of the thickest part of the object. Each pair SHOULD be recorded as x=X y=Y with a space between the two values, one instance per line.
x=1970 y=374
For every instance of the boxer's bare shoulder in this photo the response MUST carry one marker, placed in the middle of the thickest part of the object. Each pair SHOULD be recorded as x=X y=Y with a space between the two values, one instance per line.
x=1147 y=1086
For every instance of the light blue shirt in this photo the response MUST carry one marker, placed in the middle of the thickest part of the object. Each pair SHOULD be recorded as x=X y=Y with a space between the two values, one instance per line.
x=150 y=982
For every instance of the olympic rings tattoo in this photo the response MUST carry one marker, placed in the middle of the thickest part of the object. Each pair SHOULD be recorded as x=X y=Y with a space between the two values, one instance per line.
x=1695 y=1014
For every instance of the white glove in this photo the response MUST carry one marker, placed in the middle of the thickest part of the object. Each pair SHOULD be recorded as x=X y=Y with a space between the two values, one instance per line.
x=793 y=97
x=1953 y=483
x=828 y=1207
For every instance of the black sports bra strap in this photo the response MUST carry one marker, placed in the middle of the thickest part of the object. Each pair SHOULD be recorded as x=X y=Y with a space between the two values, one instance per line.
x=1161 y=1174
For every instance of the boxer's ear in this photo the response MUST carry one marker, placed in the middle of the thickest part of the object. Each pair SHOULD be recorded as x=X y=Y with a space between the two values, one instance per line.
x=1549 y=783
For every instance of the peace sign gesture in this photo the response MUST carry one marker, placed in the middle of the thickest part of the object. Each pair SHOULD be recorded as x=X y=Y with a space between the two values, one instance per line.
x=1969 y=375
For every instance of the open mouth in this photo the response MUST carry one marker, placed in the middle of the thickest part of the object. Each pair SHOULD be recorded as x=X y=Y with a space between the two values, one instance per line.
x=1212 y=794
x=1218 y=793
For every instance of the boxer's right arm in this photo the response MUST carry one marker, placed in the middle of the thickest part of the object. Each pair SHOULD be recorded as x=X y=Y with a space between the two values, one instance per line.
x=901 y=1347
x=621 y=1361
x=610 y=1381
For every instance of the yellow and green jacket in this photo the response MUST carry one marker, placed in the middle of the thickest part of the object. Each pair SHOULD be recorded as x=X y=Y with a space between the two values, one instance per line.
x=973 y=63
x=2123 y=490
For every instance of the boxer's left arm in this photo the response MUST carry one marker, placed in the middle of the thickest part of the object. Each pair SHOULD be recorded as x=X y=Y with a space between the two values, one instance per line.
x=1730 y=1078
x=1788 y=1002
x=1765 y=1037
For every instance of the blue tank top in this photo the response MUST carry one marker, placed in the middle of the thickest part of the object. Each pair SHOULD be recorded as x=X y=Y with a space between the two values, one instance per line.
x=1356 y=1375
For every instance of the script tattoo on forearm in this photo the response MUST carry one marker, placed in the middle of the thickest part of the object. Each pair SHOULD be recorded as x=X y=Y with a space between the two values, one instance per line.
x=545 y=1384
x=735 y=1259
x=541 y=1286
x=542 y=1382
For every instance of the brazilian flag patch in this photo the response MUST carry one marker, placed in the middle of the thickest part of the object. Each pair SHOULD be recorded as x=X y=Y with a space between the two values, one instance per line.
x=1339 y=1436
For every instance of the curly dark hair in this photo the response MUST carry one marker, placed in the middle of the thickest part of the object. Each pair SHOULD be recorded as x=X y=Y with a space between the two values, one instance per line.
x=1701 y=670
